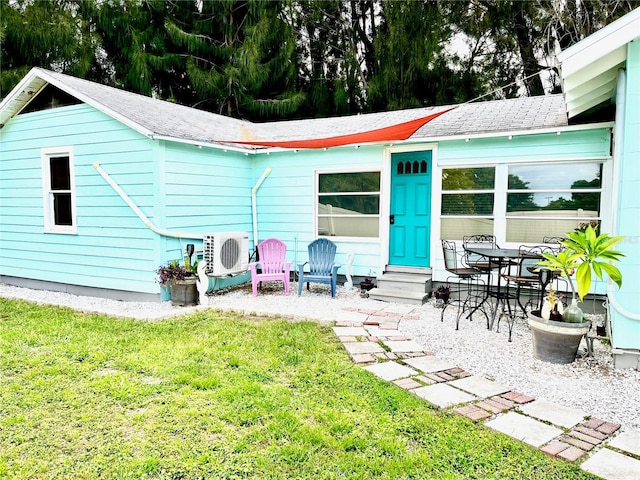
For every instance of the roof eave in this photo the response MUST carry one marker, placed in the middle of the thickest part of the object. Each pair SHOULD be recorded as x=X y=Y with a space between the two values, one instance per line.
x=16 y=101
x=588 y=69
x=600 y=43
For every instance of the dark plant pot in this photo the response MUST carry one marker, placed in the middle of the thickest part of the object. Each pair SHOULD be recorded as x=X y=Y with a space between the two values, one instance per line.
x=444 y=296
x=366 y=286
x=184 y=293
x=556 y=342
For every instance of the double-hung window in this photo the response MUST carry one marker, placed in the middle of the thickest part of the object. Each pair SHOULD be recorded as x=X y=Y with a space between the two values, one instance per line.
x=467 y=201
x=58 y=188
x=348 y=204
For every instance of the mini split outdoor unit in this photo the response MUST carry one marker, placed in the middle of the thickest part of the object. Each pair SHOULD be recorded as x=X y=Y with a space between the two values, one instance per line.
x=226 y=253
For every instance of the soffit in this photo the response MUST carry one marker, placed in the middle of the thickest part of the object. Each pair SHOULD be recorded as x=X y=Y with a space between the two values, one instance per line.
x=589 y=68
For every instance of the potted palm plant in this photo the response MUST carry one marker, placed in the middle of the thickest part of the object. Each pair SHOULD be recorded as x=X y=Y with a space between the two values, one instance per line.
x=585 y=254
x=181 y=279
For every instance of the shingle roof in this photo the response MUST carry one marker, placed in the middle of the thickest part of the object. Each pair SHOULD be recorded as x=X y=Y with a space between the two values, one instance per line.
x=157 y=118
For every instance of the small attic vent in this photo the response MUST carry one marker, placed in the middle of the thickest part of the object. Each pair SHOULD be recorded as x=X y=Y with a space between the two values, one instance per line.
x=49 y=97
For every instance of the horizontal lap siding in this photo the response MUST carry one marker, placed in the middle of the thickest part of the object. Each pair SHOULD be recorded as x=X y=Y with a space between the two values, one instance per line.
x=626 y=331
x=535 y=148
x=285 y=201
x=113 y=248
x=205 y=191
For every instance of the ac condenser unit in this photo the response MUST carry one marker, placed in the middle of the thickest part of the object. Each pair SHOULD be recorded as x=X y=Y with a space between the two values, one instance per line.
x=226 y=253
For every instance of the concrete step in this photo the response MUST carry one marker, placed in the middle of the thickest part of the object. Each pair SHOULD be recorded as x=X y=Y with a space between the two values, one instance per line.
x=398 y=296
x=407 y=282
x=410 y=270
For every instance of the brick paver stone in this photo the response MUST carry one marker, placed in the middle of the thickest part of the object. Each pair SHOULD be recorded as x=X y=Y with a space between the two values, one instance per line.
x=585 y=438
x=363 y=358
x=435 y=378
x=586 y=446
x=608 y=428
x=593 y=433
x=407 y=383
x=593 y=423
x=387 y=326
x=425 y=380
x=502 y=401
x=572 y=453
x=348 y=339
x=444 y=376
x=554 y=448
x=491 y=406
x=472 y=412
x=518 y=397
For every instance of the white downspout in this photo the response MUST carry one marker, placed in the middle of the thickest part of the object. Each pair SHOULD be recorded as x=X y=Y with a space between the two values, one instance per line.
x=618 y=134
x=254 y=204
x=160 y=231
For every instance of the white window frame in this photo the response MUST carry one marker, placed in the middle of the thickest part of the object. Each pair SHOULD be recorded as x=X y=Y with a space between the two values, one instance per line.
x=440 y=192
x=47 y=194
x=500 y=191
x=601 y=190
x=316 y=196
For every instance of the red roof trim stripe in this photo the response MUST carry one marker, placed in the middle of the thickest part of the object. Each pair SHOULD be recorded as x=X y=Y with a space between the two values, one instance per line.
x=398 y=132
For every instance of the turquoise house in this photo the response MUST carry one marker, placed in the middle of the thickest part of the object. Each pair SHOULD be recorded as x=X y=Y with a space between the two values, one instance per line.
x=98 y=186
x=605 y=69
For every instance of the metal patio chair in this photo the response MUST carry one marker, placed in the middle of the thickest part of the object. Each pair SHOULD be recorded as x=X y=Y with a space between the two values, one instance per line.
x=469 y=283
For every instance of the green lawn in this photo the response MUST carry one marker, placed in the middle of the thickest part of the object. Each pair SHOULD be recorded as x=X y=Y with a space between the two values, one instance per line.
x=220 y=396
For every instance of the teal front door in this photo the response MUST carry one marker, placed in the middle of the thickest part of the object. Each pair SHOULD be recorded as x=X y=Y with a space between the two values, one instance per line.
x=410 y=213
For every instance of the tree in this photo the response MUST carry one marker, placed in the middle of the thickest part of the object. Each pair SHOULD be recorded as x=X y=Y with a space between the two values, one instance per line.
x=51 y=34
x=408 y=47
x=240 y=58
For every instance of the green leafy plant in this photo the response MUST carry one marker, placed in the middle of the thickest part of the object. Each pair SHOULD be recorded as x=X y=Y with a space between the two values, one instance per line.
x=174 y=271
x=586 y=253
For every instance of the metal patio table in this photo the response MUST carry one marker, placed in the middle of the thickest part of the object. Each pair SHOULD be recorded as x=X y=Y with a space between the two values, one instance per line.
x=500 y=257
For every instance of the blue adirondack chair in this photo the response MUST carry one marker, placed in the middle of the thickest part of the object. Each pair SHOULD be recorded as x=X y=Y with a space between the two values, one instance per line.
x=273 y=266
x=322 y=266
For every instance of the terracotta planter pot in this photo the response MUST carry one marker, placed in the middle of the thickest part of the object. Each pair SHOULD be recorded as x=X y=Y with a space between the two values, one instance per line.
x=184 y=293
x=556 y=342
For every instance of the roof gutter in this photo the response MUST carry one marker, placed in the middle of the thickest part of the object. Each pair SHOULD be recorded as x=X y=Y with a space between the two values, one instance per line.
x=160 y=231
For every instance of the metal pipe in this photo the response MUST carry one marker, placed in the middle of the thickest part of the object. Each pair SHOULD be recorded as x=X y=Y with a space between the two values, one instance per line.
x=254 y=204
x=160 y=231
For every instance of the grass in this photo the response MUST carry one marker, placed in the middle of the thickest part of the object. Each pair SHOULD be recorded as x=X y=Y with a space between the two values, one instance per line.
x=221 y=396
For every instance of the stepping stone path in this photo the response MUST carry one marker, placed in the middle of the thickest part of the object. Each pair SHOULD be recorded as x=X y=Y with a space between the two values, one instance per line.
x=372 y=340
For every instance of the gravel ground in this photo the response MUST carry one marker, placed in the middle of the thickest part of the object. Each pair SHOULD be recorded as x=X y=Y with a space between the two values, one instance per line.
x=590 y=384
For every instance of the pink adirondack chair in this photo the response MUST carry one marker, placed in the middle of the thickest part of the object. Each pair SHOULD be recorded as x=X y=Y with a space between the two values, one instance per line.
x=273 y=266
